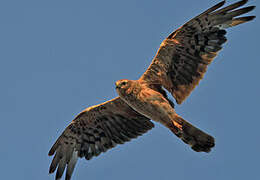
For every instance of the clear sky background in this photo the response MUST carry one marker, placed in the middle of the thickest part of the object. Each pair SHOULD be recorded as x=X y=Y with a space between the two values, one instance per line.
x=61 y=56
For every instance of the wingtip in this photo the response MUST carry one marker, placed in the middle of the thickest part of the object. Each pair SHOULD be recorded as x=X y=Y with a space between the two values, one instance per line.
x=243 y=2
x=54 y=147
x=250 y=8
x=68 y=177
x=58 y=176
x=220 y=4
x=52 y=169
x=223 y=2
x=51 y=152
x=245 y=18
x=250 y=18
x=253 y=7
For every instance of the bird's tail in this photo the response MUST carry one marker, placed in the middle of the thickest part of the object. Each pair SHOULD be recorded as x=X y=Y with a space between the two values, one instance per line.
x=197 y=139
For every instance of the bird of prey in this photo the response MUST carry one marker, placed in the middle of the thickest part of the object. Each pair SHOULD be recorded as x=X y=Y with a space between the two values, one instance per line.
x=178 y=66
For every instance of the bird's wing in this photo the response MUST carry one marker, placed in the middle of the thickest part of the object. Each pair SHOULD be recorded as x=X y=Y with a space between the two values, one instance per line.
x=184 y=55
x=95 y=130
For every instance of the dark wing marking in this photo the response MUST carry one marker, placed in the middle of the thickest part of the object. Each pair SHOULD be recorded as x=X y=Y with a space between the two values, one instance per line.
x=184 y=55
x=95 y=130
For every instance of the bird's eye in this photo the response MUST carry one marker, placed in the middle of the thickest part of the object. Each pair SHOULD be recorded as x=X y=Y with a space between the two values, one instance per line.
x=123 y=83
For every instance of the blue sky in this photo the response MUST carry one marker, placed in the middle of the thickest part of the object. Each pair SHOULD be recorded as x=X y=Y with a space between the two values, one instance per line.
x=59 y=57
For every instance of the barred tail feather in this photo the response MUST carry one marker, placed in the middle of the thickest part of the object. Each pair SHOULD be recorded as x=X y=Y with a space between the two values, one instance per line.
x=197 y=139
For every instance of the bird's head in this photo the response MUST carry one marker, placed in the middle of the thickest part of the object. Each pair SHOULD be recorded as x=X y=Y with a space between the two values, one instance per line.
x=122 y=84
x=123 y=87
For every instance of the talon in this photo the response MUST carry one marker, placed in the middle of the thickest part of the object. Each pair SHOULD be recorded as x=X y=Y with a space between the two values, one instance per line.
x=177 y=125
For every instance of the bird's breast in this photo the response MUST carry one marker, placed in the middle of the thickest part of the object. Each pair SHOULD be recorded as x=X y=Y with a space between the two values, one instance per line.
x=151 y=104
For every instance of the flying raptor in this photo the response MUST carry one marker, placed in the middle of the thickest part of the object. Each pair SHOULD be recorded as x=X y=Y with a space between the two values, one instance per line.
x=178 y=66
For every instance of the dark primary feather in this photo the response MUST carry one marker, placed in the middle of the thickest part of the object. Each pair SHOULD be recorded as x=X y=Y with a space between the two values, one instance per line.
x=95 y=130
x=184 y=55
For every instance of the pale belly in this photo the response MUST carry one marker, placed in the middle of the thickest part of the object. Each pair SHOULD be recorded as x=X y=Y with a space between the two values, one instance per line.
x=153 y=105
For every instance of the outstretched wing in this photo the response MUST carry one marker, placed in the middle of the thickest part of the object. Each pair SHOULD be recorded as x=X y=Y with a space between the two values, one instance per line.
x=184 y=55
x=95 y=130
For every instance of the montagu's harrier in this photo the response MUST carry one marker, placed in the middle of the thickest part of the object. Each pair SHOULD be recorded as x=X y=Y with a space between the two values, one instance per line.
x=178 y=66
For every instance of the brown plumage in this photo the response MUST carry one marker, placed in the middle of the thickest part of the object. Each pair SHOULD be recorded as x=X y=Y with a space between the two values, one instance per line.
x=95 y=130
x=178 y=66
x=184 y=55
